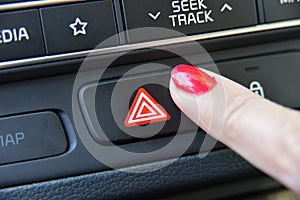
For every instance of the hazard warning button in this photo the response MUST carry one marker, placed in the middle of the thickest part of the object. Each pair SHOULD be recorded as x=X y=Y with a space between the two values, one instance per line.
x=132 y=109
x=145 y=110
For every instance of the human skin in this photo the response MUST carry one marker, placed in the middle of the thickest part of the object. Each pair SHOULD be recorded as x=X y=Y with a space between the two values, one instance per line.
x=264 y=133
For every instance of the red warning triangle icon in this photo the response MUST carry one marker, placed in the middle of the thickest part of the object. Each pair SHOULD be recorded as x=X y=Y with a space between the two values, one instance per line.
x=145 y=110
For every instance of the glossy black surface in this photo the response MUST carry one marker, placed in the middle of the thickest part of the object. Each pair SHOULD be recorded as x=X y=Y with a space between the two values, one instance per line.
x=78 y=26
x=20 y=35
x=281 y=10
x=189 y=17
x=30 y=137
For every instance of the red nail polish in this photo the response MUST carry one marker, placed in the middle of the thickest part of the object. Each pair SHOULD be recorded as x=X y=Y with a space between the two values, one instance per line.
x=192 y=79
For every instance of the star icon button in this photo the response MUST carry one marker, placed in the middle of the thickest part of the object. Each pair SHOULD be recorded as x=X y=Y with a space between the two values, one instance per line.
x=78 y=27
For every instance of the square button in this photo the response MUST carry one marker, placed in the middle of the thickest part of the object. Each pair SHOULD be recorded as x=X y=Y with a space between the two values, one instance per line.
x=281 y=10
x=78 y=26
x=20 y=35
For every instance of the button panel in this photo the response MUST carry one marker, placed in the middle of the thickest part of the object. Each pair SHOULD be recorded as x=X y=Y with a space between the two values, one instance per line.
x=31 y=136
x=20 y=35
x=82 y=26
x=79 y=26
x=190 y=16
x=277 y=10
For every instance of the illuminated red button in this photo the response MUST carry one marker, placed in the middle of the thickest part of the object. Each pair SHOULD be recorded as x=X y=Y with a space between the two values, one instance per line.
x=133 y=114
x=145 y=110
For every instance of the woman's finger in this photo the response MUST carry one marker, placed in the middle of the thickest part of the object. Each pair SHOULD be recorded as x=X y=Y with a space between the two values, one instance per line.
x=264 y=133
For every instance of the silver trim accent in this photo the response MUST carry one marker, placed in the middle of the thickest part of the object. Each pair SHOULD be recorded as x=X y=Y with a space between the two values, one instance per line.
x=32 y=4
x=129 y=47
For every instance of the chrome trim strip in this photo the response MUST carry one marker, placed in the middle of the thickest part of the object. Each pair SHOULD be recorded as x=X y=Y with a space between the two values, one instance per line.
x=129 y=47
x=34 y=4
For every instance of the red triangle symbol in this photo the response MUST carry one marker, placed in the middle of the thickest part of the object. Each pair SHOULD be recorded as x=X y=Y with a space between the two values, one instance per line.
x=145 y=110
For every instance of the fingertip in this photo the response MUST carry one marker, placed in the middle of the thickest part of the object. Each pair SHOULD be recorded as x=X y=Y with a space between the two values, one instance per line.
x=190 y=89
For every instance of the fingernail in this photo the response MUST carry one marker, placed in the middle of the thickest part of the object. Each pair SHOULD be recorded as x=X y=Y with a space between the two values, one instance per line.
x=192 y=79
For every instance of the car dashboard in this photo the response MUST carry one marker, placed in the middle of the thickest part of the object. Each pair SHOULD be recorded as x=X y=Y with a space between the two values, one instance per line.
x=77 y=77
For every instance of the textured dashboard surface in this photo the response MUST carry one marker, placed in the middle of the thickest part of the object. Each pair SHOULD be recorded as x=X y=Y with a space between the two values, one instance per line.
x=185 y=174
